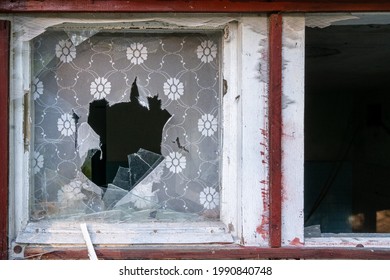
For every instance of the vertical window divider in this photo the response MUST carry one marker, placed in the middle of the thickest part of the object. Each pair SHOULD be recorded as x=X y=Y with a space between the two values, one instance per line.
x=275 y=128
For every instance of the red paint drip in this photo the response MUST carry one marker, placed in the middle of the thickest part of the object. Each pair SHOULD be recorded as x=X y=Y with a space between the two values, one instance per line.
x=263 y=228
x=296 y=242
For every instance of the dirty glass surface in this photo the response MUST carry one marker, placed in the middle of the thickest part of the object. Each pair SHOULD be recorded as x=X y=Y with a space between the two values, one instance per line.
x=126 y=126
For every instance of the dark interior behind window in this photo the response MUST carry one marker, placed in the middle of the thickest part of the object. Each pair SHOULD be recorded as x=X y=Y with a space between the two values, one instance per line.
x=347 y=128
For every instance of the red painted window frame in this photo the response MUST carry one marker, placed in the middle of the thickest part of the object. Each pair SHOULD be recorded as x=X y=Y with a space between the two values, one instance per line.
x=275 y=129
x=193 y=6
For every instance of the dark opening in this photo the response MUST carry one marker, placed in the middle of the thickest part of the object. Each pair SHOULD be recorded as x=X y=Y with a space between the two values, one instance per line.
x=347 y=128
x=124 y=129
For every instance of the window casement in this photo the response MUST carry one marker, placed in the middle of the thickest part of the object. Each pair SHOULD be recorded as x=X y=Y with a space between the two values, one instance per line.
x=192 y=168
x=257 y=186
x=335 y=138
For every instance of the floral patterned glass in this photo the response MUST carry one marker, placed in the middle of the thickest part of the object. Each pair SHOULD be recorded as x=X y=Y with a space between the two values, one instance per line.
x=180 y=72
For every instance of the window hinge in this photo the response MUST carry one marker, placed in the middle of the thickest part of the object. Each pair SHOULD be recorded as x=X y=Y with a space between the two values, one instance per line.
x=226 y=33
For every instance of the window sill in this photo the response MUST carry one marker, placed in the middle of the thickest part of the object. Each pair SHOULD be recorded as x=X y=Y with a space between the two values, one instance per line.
x=350 y=240
x=56 y=232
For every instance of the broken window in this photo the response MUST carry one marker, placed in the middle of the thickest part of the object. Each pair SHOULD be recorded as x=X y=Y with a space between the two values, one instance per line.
x=347 y=128
x=126 y=126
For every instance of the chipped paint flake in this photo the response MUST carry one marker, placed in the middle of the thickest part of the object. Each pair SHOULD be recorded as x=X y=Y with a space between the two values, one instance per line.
x=296 y=242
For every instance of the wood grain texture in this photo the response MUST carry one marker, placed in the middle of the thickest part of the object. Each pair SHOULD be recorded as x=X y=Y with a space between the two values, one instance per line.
x=191 y=6
x=4 y=86
x=293 y=101
x=275 y=128
x=211 y=252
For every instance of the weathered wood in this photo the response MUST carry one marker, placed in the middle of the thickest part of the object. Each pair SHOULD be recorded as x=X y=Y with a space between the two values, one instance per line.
x=293 y=56
x=275 y=128
x=230 y=179
x=69 y=233
x=205 y=252
x=4 y=86
x=252 y=98
x=191 y=6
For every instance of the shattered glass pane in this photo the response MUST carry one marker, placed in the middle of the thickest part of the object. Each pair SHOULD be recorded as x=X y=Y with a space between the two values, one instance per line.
x=126 y=126
x=122 y=178
x=112 y=195
x=141 y=164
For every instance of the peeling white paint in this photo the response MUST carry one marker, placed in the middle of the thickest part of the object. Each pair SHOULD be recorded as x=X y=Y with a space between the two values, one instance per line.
x=28 y=27
x=293 y=45
x=286 y=101
x=254 y=100
x=325 y=20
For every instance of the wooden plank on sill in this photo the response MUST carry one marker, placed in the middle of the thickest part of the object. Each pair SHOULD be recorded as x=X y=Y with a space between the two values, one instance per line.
x=4 y=88
x=275 y=128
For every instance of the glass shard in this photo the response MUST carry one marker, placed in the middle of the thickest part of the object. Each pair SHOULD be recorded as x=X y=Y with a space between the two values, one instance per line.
x=141 y=164
x=122 y=178
x=112 y=195
x=142 y=195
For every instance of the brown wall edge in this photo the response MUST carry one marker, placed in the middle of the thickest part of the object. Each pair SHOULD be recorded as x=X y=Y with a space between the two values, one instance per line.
x=212 y=6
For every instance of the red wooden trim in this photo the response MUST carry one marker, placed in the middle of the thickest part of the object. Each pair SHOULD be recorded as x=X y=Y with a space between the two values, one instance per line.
x=275 y=128
x=192 y=6
x=4 y=86
x=211 y=252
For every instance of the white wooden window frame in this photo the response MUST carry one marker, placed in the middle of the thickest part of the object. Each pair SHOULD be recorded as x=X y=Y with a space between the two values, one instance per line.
x=293 y=81
x=244 y=169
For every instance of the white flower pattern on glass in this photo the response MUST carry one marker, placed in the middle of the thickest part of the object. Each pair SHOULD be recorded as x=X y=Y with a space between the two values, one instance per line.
x=173 y=88
x=100 y=88
x=209 y=198
x=207 y=125
x=175 y=162
x=70 y=193
x=207 y=51
x=65 y=51
x=37 y=88
x=137 y=53
x=37 y=163
x=66 y=125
